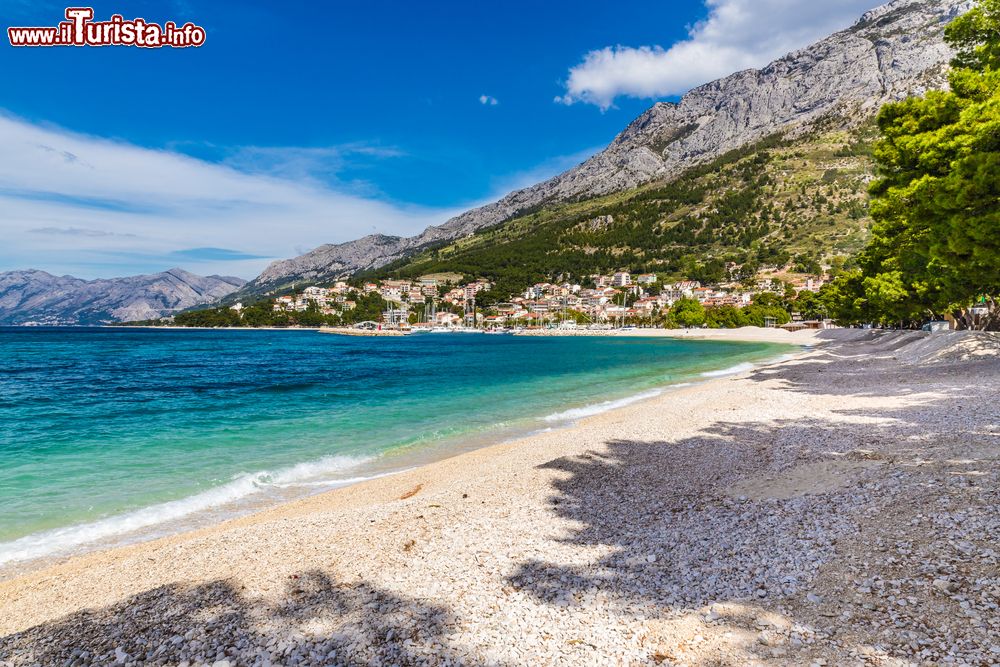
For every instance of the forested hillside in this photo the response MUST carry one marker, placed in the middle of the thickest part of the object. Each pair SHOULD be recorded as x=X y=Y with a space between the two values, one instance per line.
x=799 y=200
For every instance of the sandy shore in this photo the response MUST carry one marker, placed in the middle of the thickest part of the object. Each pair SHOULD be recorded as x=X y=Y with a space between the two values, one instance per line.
x=838 y=508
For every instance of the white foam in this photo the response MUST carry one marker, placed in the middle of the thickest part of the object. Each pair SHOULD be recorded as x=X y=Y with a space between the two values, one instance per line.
x=782 y=359
x=310 y=470
x=598 y=408
x=63 y=540
x=732 y=370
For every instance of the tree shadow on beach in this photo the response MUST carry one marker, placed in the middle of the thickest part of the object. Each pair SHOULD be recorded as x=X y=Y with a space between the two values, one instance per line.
x=318 y=622
x=666 y=507
x=722 y=519
x=890 y=364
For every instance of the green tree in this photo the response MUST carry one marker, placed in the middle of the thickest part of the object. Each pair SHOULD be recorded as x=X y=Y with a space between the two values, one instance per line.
x=845 y=298
x=757 y=315
x=810 y=305
x=837 y=266
x=687 y=313
x=368 y=307
x=767 y=299
x=725 y=317
x=935 y=244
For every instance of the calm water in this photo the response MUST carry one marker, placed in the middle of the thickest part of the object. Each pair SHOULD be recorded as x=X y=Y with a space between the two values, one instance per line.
x=105 y=431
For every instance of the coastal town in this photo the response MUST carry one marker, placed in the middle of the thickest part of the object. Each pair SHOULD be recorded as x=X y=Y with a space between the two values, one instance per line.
x=602 y=300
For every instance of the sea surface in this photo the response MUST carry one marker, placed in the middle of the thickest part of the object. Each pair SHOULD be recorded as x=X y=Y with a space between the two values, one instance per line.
x=109 y=434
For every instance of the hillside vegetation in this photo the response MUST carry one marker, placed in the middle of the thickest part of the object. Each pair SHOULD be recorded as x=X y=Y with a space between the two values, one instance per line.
x=935 y=248
x=783 y=200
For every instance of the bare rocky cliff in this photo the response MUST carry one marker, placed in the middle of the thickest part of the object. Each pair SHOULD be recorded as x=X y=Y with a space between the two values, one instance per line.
x=41 y=298
x=893 y=51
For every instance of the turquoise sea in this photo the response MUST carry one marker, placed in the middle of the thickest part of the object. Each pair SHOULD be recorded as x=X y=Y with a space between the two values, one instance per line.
x=105 y=432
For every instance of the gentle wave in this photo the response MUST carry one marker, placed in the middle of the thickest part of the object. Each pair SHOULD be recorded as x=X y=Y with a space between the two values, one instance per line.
x=62 y=540
x=782 y=359
x=732 y=370
x=598 y=408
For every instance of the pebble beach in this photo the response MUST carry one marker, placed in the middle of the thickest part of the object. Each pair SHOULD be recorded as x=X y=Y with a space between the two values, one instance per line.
x=841 y=507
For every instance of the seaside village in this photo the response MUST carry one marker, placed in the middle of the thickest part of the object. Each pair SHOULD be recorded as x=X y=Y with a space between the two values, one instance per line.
x=608 y=301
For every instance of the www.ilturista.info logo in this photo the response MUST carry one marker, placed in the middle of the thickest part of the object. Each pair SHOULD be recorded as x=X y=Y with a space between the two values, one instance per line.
x=79 y=29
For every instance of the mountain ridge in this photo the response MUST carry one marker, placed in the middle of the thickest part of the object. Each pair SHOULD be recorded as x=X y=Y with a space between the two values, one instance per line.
x=39 y=297
x=892 y=51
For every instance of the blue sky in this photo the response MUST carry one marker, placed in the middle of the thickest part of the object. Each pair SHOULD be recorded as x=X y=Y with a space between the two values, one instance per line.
x=300 y=123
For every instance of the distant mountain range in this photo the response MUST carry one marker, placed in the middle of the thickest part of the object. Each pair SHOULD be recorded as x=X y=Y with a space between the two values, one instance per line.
x=37 y=297
x=892 y=52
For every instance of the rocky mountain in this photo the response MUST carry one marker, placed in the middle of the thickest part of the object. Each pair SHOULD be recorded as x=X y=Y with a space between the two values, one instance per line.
x=41 y=298
x=893 y=51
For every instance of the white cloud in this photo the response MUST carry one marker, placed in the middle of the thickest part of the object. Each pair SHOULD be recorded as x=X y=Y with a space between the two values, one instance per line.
x=320 y=164
x=736 y=35
x=93 y=207
x=488 y=100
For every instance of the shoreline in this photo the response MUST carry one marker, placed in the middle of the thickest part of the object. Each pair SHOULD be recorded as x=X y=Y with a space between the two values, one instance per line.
x=733 y=521
x=741 y=334
x=494 y=447
x=390 y=463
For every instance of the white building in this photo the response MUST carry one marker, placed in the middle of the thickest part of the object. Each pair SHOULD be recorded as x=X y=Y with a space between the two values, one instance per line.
x=621 y=279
